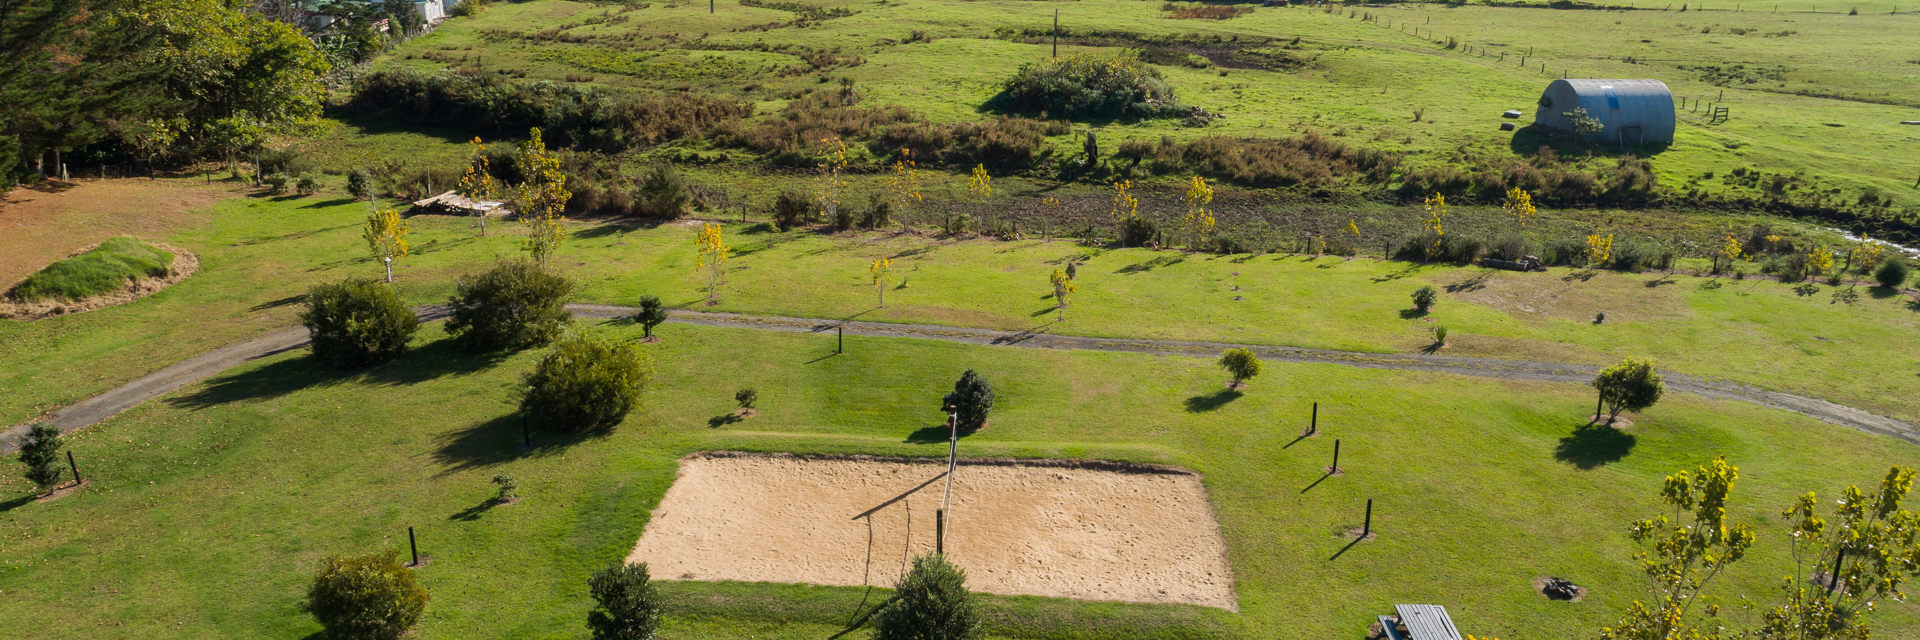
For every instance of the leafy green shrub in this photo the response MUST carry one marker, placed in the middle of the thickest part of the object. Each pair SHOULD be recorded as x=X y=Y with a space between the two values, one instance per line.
x=1311 y=159
x=931 y=602
x=40 y=451
x=746 y=397
x=1792 y=267
x=1242 y=364
x=879 y=212
x=569 y=115
x=1137 y=231
x=652 y=313
x=970 y=402
x=508 y=488
x=357 y=322
x=790 y=210
x=275 y=183
x=1440 y=335
x=1512 y=246
x=1429 y=247
x=1565 y=252
x=663 y=193
x=626 y=604
x=358 y=184
x=105 y=269
x=1630 y=385
x=1632 y=255
x=514 y=305
x=1424 y=297
x=1089 y=85
x=306 y=185
x=370 y=597
x=585 y=383
x=1003 y=144
x=1891 y=273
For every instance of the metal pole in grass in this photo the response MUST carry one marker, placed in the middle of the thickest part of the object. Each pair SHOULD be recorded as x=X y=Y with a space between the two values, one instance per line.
x=75 y=467
x=1313 y=426
x=1367 y=527
x=415 y=546
x=1336 y=458
x=953 y=450
x=839 y=340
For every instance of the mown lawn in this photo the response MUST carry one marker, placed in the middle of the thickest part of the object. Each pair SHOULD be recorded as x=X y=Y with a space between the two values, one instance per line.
x=259 y=255
x=209 y=508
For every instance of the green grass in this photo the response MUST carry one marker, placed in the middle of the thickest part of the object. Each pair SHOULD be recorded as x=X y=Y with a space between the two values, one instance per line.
x=104 y=269
x=1823 y=106
x=210 y=508
x=260 y=254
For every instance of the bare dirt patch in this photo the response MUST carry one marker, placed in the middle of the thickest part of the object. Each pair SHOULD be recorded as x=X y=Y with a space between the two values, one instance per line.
x=1541 y=296
x=1076 y=529
x=184 y=264
x=40 y=225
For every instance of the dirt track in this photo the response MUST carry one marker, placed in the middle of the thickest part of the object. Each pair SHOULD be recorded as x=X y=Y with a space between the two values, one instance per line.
x=126 y=396
x=1021 y=528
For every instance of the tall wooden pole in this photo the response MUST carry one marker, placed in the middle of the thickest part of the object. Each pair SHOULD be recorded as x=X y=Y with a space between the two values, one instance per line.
x=415 y=546
x=1056 y=33
x=1367 y=528
x=953 y=450
x=1336 y=458
x=1313 y=427
x=75 y=467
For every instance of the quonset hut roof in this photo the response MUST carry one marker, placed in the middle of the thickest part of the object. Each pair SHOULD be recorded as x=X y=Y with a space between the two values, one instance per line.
x=1632 y=112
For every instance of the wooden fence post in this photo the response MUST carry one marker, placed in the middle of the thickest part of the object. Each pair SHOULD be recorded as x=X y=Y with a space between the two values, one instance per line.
x=415 y=546
x=75 y=467
x=1367 y=528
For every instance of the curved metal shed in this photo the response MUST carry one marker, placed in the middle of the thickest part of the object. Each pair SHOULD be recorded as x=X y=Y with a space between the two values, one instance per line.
x=1633 y=112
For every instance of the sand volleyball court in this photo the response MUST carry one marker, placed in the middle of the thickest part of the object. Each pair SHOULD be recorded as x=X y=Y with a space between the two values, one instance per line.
x=1076 y=529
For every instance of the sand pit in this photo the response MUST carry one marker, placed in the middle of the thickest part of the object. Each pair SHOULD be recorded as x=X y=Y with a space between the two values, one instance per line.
x=1092 y=531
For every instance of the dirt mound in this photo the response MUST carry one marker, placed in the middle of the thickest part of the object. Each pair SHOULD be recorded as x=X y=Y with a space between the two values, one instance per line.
x=184 y=264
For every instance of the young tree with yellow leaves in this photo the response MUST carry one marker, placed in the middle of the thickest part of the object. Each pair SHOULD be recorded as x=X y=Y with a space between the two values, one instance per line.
x=1126 y=209
x=541 y=201
x=1436 y=222
x=1198 y=221
x=980 y=184
x=1866 y=553
x=1062 y=288
x=1820 y=260
x=1865 y=255
x=1599 y=250
x=1683 y=557
x=1519 y=204
x=827 y=190
x=386 y=236
x=713 y=255
x=476 y=183
x=1730 y=250
x=904 y=186
x=882 y=271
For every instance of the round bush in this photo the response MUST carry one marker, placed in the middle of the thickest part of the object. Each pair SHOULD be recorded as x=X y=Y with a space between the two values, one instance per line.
x=1892 y=273
x=1090 y=86
x=586 y=383
x=664 y=194
x=931 y=602
x=627 y=605
x=514 y=305
x=971 y=401
x=357 y=322
x=1424 y=297
x=371 y=597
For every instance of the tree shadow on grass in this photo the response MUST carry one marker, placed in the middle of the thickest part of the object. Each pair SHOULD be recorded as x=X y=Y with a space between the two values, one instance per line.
x=17 y=502
x=1882 y=293
x=261 y=383
x=420 y=364
x=499 y=441
x=1211 y=401
x=1592 y=446
x=933 y=434
x=1409 y=314
x=474 y=512
x=432 y=360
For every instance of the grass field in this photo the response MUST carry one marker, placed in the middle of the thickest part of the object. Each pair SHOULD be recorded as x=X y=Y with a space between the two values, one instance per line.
x=210 y=507
x=1816 y=97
